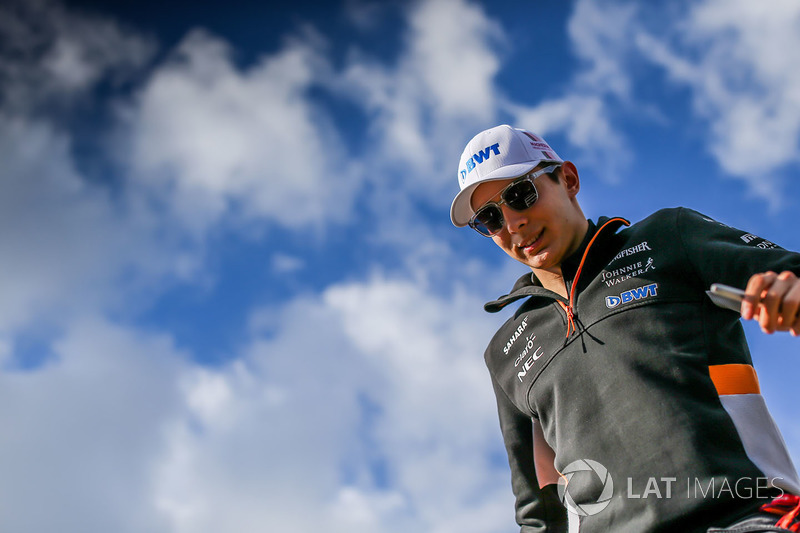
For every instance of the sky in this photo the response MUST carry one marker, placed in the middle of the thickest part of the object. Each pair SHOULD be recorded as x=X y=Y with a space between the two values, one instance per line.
x=232 y=297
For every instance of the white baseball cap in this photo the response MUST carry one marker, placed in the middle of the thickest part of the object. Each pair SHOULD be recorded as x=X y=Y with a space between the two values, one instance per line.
x=498 y=153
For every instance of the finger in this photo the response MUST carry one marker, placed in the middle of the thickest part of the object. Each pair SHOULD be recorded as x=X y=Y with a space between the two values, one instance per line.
x=790 y=303
x=796 y=327
x=773 y=303
x=752 y=293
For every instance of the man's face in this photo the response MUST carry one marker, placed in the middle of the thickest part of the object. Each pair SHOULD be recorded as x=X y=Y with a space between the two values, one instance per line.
x=548 y=231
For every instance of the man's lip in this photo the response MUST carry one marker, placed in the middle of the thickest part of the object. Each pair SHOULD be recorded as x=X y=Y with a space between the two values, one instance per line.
x=530 y=243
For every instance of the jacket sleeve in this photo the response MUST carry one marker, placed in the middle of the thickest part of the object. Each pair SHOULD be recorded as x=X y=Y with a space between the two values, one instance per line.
x=538 y=510
x=722 y=254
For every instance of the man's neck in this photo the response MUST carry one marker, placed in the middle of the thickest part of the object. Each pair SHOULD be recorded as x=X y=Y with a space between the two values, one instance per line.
x=552 y=280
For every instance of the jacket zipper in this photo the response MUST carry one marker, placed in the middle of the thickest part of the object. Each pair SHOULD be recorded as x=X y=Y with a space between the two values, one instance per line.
x=569 y=309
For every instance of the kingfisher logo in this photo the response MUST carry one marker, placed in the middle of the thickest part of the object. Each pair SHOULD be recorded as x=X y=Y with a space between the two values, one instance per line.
x=632 y=295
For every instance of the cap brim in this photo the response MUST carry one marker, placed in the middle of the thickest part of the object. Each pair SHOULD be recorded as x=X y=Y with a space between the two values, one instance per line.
x=461 y=210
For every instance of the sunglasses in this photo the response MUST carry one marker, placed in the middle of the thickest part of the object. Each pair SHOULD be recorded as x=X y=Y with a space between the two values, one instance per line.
x=519 y=195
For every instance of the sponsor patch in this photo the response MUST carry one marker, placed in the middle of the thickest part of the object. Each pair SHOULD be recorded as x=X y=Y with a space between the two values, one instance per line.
x=632 y=295
x=515 y=335
x=481 y=156
x=617 y=275
x=533 y=352
x=764 y=244
x=641 y=247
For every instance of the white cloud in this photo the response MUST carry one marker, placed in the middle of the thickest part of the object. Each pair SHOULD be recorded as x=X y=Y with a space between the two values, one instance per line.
x=367 y=409
x=599 y=34
x=739 y=59
x=442 y=84
x=66 y=243
x=81 y=432
x=425 y=351
x=421 y=109
x=452 y=55
x=209 y=142
x=356 y=510
x=250 y=144
x=601 y=86
x=52 y=55
x=309 y=417
x=284 y=263
x=585 y=120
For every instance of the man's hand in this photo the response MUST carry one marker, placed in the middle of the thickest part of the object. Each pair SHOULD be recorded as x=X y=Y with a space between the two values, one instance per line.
x=774 y=300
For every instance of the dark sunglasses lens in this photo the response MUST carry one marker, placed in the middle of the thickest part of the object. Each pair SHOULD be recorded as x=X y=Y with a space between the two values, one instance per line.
x=489 y=220
x=521 y=195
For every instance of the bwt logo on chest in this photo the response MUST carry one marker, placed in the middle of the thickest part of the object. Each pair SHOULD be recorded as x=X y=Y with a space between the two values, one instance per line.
x=632 y=295
x=480 y=157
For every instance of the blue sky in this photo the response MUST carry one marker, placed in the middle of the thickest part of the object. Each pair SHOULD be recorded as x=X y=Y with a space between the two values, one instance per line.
x=232 y=296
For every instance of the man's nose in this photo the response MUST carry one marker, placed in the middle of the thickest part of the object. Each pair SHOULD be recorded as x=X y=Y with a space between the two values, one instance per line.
x=514 y=220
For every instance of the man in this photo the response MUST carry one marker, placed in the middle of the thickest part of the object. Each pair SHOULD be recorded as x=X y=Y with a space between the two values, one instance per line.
x=617 y=373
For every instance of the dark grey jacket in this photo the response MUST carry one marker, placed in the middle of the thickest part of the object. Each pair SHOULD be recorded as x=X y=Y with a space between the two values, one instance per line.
x=648 y=379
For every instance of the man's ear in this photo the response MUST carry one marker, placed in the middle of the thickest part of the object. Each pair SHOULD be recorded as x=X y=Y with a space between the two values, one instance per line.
x=569 y=175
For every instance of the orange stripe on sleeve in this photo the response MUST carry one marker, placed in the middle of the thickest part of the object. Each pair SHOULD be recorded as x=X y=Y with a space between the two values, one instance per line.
x=734 y=379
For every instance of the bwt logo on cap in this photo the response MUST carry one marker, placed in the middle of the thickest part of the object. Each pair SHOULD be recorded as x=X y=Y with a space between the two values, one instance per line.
x=498 y=153
x=477 y=159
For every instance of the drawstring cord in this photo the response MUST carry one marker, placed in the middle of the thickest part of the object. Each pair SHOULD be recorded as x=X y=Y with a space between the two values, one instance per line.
x=788 y=506
x=570 y=317
x=570 y=309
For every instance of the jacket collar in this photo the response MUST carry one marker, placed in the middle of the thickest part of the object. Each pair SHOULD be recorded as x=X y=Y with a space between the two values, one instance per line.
x=529 y=285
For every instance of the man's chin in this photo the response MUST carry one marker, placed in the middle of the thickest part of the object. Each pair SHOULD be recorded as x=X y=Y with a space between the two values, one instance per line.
x=539 y=261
